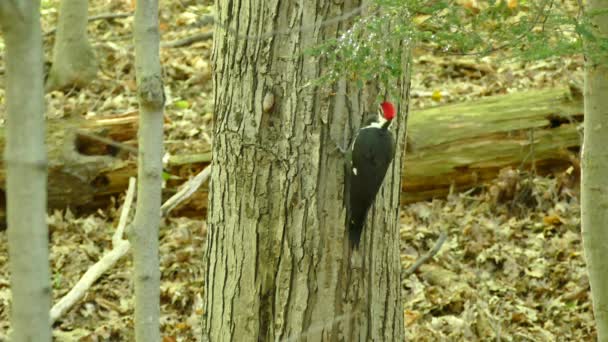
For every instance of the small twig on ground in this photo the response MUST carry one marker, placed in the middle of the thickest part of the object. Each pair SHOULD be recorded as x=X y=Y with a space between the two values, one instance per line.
x=124 y=214
x=186 y=191
x=120 y=248
x=103 y=16
x=431 y=253
x=187 y=41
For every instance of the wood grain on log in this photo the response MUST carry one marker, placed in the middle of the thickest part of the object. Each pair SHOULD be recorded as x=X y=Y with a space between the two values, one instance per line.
x=463 y=145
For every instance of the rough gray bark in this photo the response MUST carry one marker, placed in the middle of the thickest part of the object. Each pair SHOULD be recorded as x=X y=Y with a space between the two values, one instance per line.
x=144 y=236
x=26 y=165
x=278 y=261
x=74 y=62
x=594 y=183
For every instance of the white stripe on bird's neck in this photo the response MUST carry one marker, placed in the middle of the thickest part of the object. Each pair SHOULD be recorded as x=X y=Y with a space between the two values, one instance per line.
x=379 y=123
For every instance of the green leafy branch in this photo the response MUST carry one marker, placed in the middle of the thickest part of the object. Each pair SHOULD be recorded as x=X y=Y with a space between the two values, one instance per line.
x=527 y=30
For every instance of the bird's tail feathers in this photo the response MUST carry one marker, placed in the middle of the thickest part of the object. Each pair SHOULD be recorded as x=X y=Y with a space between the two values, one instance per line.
x=354 y=233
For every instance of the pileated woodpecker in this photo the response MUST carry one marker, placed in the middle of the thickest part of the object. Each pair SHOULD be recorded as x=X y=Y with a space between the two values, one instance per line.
x=371 y=153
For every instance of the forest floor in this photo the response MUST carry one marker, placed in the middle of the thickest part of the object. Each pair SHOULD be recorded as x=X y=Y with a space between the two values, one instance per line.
x=510 y=270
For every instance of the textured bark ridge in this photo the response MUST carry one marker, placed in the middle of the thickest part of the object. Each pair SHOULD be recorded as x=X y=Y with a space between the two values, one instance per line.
x=278 y=261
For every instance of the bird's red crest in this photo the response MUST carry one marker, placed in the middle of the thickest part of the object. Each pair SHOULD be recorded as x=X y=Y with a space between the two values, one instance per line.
x=388 y=109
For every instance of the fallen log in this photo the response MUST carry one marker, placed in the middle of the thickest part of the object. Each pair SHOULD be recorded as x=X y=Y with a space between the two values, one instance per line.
x=91 y=160
x=456 y=147
x=463 y=145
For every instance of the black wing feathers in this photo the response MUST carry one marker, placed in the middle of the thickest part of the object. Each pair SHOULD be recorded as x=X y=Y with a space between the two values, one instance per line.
x=374 y=148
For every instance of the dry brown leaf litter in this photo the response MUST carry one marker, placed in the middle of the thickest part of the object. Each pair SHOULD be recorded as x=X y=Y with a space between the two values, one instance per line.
x=512 y=267
x=501 y=274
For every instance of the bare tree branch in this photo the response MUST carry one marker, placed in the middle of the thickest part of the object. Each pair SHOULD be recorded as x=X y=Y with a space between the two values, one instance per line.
x=120 y=248
x=186 y=191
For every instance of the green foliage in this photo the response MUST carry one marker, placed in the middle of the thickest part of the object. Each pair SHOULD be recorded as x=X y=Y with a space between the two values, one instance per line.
x=49 y=5
x=526 y=30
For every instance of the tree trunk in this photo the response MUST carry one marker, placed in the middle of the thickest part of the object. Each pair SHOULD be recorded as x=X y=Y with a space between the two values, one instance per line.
x=144 y=235
x=26 y=166
x=594 y=184
x=278 y=261
x=74 y=62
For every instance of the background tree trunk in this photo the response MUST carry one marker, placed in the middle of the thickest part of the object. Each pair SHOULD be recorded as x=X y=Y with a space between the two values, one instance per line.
x=144 y=235
x=278 y=260
x=74 y=62
x=594 y=184
x=26 y=164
